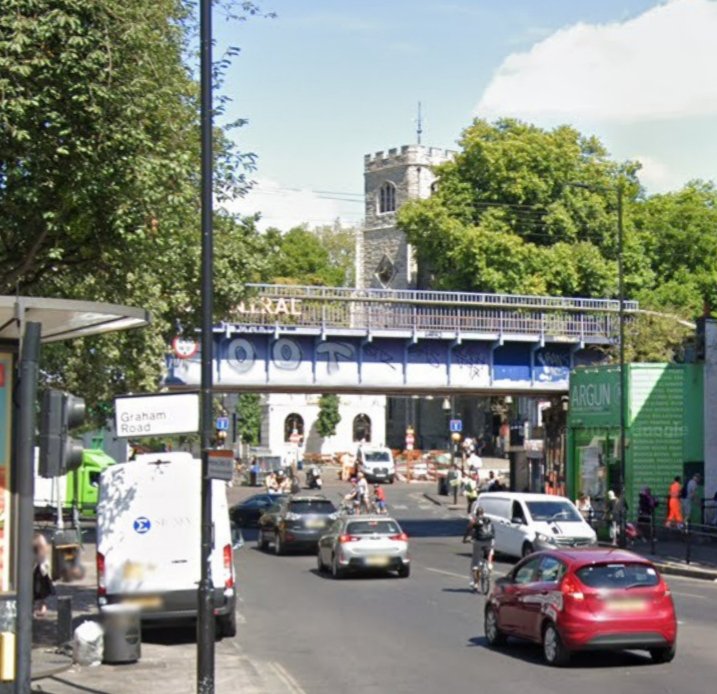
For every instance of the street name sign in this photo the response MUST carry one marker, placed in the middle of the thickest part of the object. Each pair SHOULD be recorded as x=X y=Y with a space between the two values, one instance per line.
x=222 y=424
x=157 y=414
x=456 y=425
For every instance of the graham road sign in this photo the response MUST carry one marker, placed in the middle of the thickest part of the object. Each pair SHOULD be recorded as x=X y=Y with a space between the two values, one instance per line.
x=156 y=415
x=456 y=425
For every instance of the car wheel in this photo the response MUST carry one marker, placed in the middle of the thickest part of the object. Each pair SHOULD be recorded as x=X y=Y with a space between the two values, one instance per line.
x=336 y=570
x=527 y=549
x=261 y=542
x=554 y=651
x=390 y=479
x=278 y=545
x=662 y=655
x=320 y=564
x=404 y=571
x=493 y=635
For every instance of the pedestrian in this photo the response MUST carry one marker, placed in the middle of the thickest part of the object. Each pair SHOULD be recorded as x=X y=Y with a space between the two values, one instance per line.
x=470 y=490
x=611 y=513
x=584 y=506
x=253 y=472
x=693 y=500
x=675 y=518
x=362 y=488
x=504 y=438
x=42 y=585
x=379 y=499
x=474 y=463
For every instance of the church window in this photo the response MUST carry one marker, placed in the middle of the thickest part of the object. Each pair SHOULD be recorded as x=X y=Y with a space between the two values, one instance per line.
x=386 y=271
x=362 y=428
x=387 y=198
x=294 y=423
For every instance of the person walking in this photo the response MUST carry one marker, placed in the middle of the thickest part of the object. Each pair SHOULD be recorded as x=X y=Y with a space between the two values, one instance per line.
x=675 y=518
x=470 y=490
x=362 y=489
x=584 y=506
x=42 y=585
x=693 y=500
x=611 y=513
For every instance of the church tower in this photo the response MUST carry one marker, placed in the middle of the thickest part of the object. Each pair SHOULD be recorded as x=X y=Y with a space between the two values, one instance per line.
x=384 y=259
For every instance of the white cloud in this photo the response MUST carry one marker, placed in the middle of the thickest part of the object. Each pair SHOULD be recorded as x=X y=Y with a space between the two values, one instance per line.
x=655 y=175
x=658 y=65
x=285 y=208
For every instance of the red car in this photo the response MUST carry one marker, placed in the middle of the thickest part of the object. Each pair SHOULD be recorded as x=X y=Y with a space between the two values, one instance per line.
x=584 y=599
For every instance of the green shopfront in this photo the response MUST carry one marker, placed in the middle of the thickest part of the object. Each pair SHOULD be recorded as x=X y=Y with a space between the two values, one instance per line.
x=664 y=429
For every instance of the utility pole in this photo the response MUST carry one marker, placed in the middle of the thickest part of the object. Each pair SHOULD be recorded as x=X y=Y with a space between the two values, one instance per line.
x=205 y=608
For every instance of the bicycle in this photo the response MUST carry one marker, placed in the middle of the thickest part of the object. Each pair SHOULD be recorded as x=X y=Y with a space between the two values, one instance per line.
x=483 y=572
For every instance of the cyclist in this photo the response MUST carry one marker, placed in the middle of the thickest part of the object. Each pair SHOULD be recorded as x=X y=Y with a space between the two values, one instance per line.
x=482 y=532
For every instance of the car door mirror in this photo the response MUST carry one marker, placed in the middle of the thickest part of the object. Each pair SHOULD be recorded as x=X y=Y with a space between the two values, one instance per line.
x=237 y=536
x=516 y=520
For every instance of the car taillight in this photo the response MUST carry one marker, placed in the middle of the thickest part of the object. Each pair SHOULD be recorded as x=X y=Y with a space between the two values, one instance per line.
x=229 y=581
x=401 y=537
x=663 y=590
x=570 y=587
x=101 y=587
x=343 y=539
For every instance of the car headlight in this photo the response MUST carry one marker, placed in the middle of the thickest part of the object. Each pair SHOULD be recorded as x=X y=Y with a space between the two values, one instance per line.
x=544 y=538
x=292 y=516
x=333 y=516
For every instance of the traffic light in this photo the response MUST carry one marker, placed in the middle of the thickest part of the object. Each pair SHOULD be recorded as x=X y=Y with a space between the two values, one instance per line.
x=59 y=452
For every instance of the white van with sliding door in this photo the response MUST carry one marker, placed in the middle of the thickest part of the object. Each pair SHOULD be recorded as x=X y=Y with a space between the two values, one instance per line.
x=526 y=523
x=148 y=540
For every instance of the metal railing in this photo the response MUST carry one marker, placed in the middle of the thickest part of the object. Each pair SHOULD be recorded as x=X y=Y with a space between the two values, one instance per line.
x=321 y=308
x=437 y=298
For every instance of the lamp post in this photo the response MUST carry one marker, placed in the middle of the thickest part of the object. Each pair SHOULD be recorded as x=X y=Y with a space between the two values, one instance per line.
x=619 y=190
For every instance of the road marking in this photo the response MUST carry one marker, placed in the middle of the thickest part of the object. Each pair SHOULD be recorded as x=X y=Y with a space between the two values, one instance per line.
x=401 y=507
x=690 y=595
x=445 y=573
x=287 y=680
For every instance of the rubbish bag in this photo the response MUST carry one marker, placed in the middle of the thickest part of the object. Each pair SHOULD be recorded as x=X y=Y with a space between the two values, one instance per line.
x=88 y=644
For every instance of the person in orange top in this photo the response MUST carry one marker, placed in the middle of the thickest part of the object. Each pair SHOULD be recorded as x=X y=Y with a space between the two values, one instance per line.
x=674 y=504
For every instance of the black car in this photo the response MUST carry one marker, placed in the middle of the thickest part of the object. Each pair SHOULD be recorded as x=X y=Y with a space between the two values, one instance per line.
x=299 y=522
x=246 y=513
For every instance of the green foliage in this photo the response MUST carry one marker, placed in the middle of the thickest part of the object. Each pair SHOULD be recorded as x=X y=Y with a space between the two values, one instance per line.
x=324 y=256
x=508 y=217
x=99 y=178
x=329 y=416
x=248 y=418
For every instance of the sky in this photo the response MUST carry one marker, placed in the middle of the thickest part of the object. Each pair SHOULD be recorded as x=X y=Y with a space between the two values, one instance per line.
x=327 y=81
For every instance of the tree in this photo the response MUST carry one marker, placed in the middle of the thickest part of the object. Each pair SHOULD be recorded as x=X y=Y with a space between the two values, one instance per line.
x=329 y=416
x=99 y=186
x=248 y=410
x=324 y=256
x=506 y=217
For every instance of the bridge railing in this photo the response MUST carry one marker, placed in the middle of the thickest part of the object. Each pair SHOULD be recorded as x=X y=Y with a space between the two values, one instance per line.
x=440 y=298
x=371 y=315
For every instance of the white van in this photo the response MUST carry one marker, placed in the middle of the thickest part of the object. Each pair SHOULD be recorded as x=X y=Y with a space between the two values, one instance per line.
x=148 y=540
x=376 y=463
x=526 y=523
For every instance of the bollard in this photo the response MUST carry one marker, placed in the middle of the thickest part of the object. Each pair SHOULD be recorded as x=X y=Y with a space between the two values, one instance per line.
x=688 y=549
x=652 y=532
x=64 y=620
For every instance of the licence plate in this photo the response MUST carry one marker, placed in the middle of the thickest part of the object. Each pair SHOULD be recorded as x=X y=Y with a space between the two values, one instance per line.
x=147 y=602
x=626 y=605
x=376 y=561
x=315 y=523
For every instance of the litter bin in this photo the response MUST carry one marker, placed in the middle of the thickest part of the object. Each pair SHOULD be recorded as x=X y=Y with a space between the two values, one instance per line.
x=123 y=633
x=443 y=485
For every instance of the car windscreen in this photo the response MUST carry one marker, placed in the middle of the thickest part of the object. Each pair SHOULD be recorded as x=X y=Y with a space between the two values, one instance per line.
x=369 y=527
x=312 y=506
x=376 y=457
x=553 y=511
x=618 y=575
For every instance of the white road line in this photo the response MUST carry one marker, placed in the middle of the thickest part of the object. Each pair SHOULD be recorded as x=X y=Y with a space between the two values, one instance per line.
x=690 y=595
x=287 y=680
x=401 y=507
x=463 y=577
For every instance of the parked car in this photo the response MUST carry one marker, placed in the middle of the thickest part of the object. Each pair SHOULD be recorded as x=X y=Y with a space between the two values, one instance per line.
x=297 y=522
x=526 y=522
x=584 y=599
x=361 y=543
x=246 y=513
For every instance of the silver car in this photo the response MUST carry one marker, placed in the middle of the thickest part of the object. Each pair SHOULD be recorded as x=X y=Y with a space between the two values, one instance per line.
x=362 y=543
